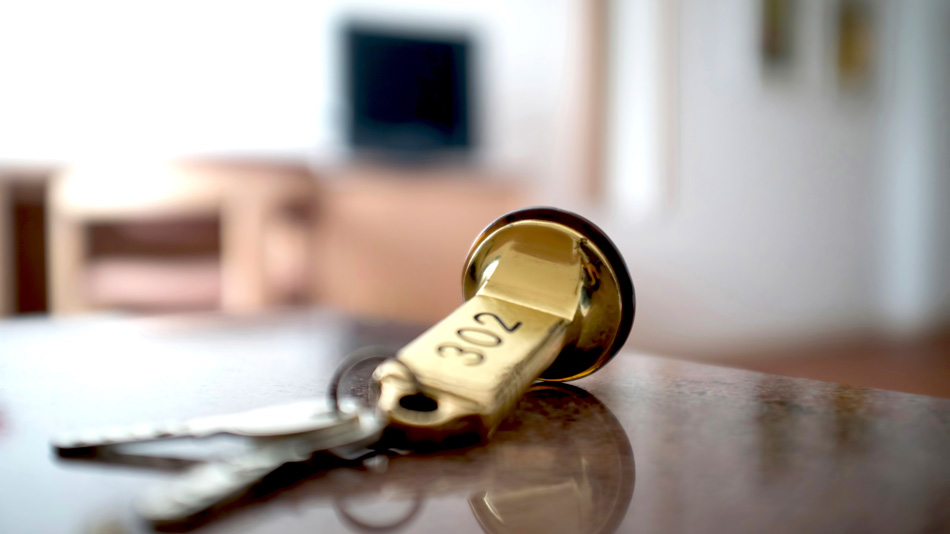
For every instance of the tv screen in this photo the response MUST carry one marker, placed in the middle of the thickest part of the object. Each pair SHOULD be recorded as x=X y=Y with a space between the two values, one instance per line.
x=407 y=94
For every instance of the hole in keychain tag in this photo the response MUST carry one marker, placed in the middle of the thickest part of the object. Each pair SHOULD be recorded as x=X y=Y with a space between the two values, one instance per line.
x=419 y=402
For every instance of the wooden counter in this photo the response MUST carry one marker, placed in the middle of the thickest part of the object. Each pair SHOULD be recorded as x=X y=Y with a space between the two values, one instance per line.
x=645 y=445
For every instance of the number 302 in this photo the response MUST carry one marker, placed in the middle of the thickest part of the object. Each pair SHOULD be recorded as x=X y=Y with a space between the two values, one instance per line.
x=480 y=337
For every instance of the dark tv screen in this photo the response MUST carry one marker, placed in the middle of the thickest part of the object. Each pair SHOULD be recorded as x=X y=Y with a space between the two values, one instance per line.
x=407 y=94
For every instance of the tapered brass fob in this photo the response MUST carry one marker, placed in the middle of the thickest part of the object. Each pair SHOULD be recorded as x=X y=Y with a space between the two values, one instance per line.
x=547 y=296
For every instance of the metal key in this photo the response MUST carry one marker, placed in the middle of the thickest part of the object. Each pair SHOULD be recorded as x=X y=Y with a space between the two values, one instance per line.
x=282 y=434
x=547 y=296
x=214 y=483
x=282 y=420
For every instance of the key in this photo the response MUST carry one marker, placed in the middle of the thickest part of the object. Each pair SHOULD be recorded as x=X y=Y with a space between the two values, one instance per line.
x=282 y=420
x=197 y=490
x=547 y=295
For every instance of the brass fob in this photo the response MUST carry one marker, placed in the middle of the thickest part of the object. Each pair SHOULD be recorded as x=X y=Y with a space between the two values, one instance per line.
x=547 y=296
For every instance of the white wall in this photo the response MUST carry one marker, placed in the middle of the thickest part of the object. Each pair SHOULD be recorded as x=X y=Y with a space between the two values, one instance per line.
x=106 y=78
x=915 y=144
x=767 y=236
x=799 y=209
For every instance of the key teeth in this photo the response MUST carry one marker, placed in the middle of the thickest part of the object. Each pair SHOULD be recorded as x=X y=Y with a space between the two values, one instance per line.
x=86 y=441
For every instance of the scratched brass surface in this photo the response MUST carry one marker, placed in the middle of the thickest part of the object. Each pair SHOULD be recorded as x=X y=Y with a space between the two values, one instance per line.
x=542 y=287
x=714 y=449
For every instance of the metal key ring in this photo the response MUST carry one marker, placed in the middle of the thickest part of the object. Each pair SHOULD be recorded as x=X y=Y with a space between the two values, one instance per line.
x=357 y=357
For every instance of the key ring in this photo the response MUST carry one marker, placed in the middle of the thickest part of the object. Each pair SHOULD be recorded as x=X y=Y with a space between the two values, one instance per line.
x=357 y=357
x=351 y=361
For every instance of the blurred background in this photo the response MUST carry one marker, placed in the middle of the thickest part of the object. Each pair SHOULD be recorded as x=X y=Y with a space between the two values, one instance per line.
x=776 y=172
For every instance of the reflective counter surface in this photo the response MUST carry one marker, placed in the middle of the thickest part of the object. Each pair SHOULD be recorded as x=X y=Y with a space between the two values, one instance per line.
x=645 y=445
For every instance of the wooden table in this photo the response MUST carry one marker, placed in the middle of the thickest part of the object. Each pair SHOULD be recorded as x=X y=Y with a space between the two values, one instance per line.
x=648 y=445
x=251 y=201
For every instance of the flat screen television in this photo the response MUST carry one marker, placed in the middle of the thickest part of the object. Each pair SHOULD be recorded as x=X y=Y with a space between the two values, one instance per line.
x=408 y=95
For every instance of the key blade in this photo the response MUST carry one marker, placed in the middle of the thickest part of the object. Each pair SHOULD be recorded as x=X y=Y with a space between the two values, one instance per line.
x=272 y=421
x=217 y=483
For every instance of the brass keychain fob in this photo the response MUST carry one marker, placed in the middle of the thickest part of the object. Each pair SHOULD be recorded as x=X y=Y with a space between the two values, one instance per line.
x=547 y=296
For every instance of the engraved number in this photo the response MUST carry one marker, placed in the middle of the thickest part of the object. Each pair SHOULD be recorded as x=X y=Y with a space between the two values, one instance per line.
x=471 y=357
x=478 y=336
x=478 y=319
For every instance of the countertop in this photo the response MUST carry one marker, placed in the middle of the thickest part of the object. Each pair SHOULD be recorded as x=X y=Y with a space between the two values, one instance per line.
x=647 y=444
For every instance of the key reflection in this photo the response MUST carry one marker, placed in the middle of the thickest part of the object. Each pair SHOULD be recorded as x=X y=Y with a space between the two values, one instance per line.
x=561 y=463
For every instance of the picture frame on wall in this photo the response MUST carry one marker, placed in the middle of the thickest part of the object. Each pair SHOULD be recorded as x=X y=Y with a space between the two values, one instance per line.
x=854 y=40
x=777 y=35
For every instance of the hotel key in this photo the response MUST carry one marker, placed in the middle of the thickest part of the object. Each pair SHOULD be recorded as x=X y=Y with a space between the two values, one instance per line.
x=547 y=296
